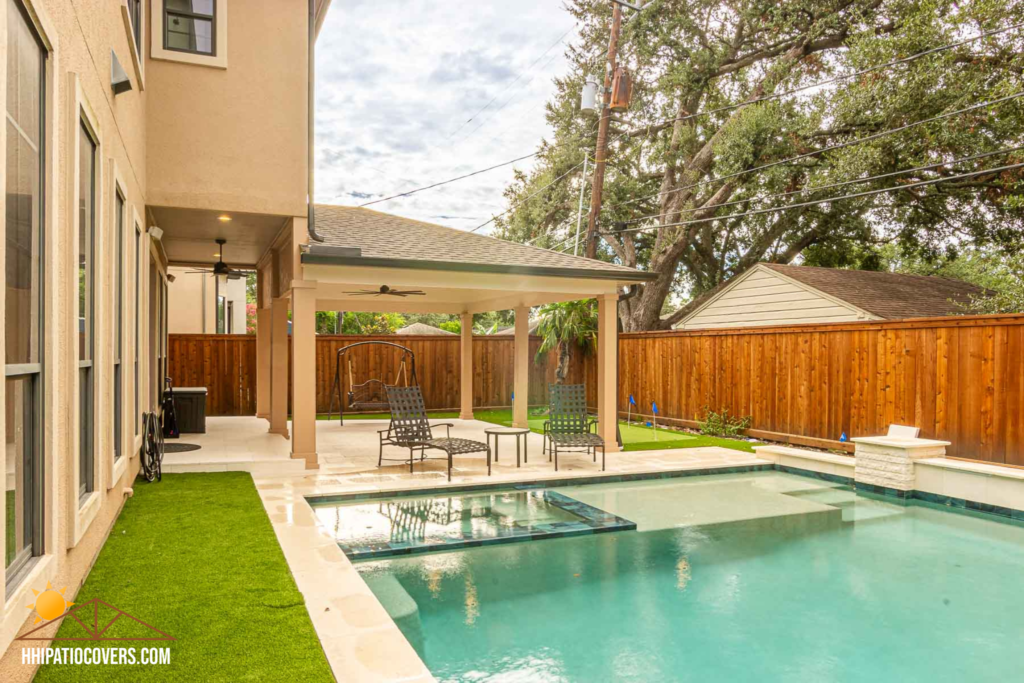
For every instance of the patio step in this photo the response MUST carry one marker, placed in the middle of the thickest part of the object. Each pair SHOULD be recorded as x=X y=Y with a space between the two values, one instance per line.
x=262 y=466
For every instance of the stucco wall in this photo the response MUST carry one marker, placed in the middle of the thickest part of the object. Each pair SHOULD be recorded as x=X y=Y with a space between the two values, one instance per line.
x=82 y=35
x=204 y=151
x=192 y=309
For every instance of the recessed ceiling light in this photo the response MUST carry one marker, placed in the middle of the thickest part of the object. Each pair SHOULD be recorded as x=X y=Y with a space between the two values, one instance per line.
x=224 y=219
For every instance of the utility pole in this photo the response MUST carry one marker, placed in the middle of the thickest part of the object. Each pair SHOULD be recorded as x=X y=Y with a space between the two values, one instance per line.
x=602 y=132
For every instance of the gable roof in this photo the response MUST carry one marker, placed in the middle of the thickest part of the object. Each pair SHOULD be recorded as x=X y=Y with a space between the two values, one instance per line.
x=889 y=296
x=385 y=240
x=421 y=329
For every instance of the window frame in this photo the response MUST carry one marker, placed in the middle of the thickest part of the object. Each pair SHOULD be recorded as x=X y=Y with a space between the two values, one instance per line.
x=87 y=368
x=138 y=322
x=22 y=563
x=120 y=226
x=212 y=18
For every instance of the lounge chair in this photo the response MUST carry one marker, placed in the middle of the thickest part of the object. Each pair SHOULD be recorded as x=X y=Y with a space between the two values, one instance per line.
x=410 y=429
x=569 y=427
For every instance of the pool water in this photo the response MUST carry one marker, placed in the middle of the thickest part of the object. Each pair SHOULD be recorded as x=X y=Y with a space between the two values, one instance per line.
x=435 y=519
x=836 y=588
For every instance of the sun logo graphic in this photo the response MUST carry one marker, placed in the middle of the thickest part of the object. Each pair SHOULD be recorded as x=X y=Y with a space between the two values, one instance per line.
x=49 y=604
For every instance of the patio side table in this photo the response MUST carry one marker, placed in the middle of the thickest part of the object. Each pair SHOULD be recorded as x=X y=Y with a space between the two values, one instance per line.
x=517 y=432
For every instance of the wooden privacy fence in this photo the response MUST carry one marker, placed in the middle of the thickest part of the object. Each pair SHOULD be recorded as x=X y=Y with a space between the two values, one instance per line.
x=958 y=378
x=223 y=363
x=226 y=366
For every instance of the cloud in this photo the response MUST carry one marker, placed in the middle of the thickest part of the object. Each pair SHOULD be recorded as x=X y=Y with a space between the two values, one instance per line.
x=399 y=94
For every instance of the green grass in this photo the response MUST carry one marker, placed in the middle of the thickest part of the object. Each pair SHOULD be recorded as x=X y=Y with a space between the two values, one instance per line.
x=195 y=556
x=635 y=437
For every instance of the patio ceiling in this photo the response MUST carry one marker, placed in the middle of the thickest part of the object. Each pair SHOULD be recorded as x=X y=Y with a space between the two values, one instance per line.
x=458 y=272
x=190 y=234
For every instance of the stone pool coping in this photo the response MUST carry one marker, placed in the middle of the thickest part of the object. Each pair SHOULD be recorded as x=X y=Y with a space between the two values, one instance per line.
x=590 y=520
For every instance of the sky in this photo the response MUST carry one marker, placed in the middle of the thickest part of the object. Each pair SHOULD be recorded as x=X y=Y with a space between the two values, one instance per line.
x=397 y=83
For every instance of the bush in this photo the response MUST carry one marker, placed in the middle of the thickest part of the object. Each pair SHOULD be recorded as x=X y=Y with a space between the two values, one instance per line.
x=722 y=424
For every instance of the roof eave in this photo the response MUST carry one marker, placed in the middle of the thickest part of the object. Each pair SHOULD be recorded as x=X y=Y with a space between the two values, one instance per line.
x=448 y=266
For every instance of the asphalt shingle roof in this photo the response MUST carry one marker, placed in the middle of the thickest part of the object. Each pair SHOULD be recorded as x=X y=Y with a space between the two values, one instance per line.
x=887 y=295
x=385 y=236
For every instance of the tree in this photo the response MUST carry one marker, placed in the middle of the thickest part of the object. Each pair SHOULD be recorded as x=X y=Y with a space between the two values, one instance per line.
x=698 y=144
x=451 y=326
x=567 y=326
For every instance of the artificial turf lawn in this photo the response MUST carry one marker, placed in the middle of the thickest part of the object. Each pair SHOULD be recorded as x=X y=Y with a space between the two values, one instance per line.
x=634 y=437
x=195 y=556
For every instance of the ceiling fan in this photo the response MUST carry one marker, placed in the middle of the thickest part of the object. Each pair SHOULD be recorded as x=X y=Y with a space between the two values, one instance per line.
x=221 y=268
x=384 y=289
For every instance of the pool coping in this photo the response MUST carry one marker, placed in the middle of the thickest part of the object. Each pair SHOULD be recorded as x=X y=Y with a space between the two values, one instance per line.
x=590 y=520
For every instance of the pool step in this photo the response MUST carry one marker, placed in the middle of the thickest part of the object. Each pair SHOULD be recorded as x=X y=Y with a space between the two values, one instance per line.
x=855 y=508
x=836 y=497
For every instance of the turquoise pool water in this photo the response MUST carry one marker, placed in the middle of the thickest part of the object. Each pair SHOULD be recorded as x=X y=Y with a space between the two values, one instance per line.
x=760 y=577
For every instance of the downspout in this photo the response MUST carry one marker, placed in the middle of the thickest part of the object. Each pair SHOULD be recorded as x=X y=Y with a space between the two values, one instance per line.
x=310 y=107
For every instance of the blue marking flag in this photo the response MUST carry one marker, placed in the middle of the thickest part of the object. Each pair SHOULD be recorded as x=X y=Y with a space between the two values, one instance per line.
x=654 y=407
x=513 y=395
x=842 y=438
x=632 y=400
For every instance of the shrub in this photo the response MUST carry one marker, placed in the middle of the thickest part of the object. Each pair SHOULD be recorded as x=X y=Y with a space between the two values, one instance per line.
x=722 y=424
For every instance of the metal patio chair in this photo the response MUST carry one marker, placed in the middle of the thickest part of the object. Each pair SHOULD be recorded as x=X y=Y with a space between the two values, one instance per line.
x=570 y=427
x=410 y=429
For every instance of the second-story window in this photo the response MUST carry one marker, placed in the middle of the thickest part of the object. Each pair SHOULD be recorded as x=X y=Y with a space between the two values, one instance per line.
x=189 y=26
x=135 y=12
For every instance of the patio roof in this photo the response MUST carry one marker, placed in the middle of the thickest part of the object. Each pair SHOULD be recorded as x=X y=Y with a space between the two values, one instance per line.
x=361 y=237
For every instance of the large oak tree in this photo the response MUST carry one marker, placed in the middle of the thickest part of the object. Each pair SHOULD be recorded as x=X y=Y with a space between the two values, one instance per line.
x=685 y=151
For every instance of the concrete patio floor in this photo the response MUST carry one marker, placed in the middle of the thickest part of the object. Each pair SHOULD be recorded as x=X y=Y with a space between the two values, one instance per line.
x=361 y=641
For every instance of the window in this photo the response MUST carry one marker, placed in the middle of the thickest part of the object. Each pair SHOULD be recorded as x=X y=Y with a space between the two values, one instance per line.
x=118 y=325
x=189 y=26
x=220 y=313
x=230 y=316
x=138 y=319
x=135 y=12
x=86 y=303
x=23 y=269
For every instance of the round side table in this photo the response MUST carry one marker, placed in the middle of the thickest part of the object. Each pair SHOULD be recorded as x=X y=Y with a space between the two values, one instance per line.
x=517 y=432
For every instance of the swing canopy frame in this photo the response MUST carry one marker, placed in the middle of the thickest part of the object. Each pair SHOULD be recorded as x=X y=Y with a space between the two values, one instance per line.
x=371 y=394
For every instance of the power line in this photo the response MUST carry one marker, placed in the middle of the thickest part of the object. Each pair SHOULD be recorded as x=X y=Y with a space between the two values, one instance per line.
x=831 y=186
x=866 y=193
x=830 y=148
x=450 y=180
x=525 y=199
x=819 y=84
x=514 y=81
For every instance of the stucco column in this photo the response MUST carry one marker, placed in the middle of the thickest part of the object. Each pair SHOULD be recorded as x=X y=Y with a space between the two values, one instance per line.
x=263 y=363
x=466 y=378
x=522 y=368
x=607 y=363
x=304 y=373
x=279 y=367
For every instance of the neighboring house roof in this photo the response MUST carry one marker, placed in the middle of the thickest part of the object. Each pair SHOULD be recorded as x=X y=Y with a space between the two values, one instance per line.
x=888 y=295
x=422 y=329
x=880 y=295
x=512 y=328
x=385 y=240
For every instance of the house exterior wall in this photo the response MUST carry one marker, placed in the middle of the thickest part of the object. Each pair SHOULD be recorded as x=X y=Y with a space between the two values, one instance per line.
x=201 y=159
x=192 y=307
x=187 y=135
x=763 y=297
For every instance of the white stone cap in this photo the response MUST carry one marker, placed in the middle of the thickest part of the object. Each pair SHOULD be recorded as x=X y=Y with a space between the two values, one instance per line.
x=982 y=468
x=904 y=432
x=847 y=460
x=899 y=442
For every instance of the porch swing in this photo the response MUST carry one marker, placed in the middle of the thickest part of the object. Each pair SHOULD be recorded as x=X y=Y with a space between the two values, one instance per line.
x=371 y=394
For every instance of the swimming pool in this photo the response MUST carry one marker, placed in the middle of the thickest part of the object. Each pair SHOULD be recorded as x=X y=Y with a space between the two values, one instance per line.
x=762 y=576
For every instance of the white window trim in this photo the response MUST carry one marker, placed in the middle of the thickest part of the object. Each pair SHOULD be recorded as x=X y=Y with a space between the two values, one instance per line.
x=156 y=38
x=117 y=185
x=139 y=261
x=44 y=568
x=81 y=513
x=134 y=47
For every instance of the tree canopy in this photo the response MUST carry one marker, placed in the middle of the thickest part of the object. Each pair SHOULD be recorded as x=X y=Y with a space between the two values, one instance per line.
x=700 y=141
